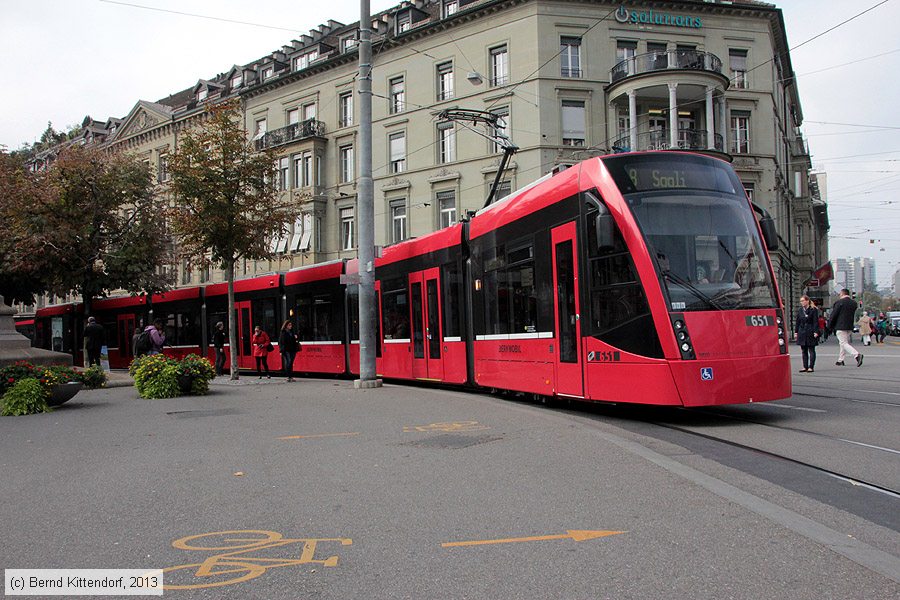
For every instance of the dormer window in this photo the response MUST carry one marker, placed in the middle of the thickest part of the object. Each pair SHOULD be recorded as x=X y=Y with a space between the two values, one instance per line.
x=305 y=59
x=202 y=94
x=451 y=7
x=349 y=43
x=236 y=81
x=404 y=21
x=267 y=73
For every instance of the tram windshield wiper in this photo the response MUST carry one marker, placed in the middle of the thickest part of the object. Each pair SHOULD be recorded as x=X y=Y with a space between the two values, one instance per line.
x=691 y=288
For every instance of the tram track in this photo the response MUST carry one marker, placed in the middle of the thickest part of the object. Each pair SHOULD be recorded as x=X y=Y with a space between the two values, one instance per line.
x=855 y=481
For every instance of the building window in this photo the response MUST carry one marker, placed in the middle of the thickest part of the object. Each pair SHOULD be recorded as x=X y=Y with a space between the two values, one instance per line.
x=346 y=108
x=404 y=21
x=397 y=95
x=202 y=94
x=446 y=202
x=398 y=220
x=283 y=172
x=740 y=132
x=205 y=273
x=501 y=131
x=267 y=73
x=445 y=81
x=293 y=116
x=397 y=146
x=451 y=7
x=623 y=122
x=573 y=128
x=570 y=56
x=260 y=129
x=304 y=60
x=737 y=60
x=800 y=238
x=446 y=143
x=626 y=50
x=163 y=168
x=236 y=81
x=185 y=271
x=503 y=189
x=349 y=43
x=499 y=65
x=309 y=111
x=347 y=166
x=749 y=187
x=347 y=228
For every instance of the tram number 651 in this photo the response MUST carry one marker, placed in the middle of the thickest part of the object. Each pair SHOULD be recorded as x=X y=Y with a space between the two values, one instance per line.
x=759 y=321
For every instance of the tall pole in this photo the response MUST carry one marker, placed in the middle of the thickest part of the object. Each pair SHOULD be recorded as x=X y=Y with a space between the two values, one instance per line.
x=366 y=206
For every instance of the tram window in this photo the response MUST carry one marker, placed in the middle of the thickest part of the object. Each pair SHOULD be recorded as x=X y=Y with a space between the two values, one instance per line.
x=213 y=317
x=353 y=310
x=265 y=316
x=509 y=290
x=110 y=337
x=451 y=278
x=315 y=318
x=395 y=316
x=620 y=314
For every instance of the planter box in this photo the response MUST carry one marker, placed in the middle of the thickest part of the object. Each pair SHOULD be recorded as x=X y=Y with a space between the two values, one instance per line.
x=63 y=392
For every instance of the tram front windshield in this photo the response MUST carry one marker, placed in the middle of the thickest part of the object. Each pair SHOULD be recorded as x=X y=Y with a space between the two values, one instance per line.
x=700 y=232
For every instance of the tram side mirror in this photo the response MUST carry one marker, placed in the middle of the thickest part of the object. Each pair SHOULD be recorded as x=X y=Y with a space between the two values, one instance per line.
x=770 y=235
x=606 y=229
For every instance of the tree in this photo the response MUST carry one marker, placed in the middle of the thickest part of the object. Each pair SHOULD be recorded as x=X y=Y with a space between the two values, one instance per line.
x=19 y=281
x=227 y=205
x=97 y=227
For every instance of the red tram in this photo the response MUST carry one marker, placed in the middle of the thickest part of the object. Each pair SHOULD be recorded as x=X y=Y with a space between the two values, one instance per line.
x=631 y=278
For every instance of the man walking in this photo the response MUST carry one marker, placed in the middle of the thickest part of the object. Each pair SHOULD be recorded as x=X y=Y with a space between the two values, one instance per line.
x=841 y=322
x=219 y=345
x=93 y=341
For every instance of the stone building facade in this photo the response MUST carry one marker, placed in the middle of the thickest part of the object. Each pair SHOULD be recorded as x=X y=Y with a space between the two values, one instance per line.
x=568 y=79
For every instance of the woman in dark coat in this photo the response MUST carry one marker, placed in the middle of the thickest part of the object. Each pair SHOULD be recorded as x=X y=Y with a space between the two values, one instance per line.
x=287 y=343
x=806 y=332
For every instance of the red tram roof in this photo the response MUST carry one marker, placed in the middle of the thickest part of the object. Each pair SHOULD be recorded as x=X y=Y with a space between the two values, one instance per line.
x=120 y=302
x=59 y=309
x=175 y=295
x=438 y=240
x=263 y=282
x=329 y=270
x=25 y=322
x=523 y=203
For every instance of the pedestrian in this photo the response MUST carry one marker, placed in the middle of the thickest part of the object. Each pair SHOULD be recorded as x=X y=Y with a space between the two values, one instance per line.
x=219 y=345
x=823 y=330
x=880 y=329
x=157 y=337
x=806 y=332
x=287 y=343
x=841 y=322
x=134 y=340
x=262 y=345
x=93 y=341
x=865 y=329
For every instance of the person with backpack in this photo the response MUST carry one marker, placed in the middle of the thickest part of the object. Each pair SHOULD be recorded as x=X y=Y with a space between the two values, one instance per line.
x=151 y=340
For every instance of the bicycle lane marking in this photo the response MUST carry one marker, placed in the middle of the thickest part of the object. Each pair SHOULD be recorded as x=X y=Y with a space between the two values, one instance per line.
x=237 y=566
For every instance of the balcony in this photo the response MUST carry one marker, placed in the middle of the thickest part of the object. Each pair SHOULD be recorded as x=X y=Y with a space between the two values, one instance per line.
x=651 y=62
x=688 y=139
x=291 y=133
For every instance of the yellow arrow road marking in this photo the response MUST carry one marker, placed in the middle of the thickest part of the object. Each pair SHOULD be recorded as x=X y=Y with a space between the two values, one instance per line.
x=316 y=435
x=578 y=535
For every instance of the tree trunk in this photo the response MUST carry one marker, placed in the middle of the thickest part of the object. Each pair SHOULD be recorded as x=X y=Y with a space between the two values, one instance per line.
x=232 y=320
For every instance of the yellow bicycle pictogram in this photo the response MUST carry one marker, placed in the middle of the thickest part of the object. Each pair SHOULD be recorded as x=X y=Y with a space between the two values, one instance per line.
x=243 y=562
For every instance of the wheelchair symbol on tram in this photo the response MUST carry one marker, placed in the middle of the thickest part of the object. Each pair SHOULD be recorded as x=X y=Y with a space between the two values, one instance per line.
x=706 y=373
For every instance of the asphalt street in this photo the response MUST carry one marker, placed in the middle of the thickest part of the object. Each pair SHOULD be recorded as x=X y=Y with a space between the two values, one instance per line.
x=317 y=490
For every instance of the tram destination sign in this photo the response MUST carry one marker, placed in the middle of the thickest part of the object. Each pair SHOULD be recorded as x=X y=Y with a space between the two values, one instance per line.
x=649 y=174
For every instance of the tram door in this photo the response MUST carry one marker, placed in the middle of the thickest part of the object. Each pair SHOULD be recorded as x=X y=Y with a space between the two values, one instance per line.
x=125 y=325
x=425 y=324
x=567 y=313
x=244 y=335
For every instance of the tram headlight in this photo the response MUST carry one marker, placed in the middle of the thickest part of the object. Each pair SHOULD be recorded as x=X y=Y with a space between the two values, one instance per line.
x=779 y=320
x=781 y=341
x=682 y=336
x=679 y=325
x=780 y=332
x=685 y=347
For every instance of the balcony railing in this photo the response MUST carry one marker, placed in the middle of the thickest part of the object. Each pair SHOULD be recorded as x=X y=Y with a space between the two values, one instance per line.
x=661 y=60
x=688 y=139
x=291 y=133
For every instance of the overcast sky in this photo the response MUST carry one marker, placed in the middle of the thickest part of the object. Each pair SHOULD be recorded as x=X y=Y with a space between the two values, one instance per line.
x=65 y=59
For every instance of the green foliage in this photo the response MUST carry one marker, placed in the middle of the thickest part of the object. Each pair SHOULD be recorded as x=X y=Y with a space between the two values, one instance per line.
x=93 y=377
x=46 y=376
x=26 y=397
x=156 y=375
